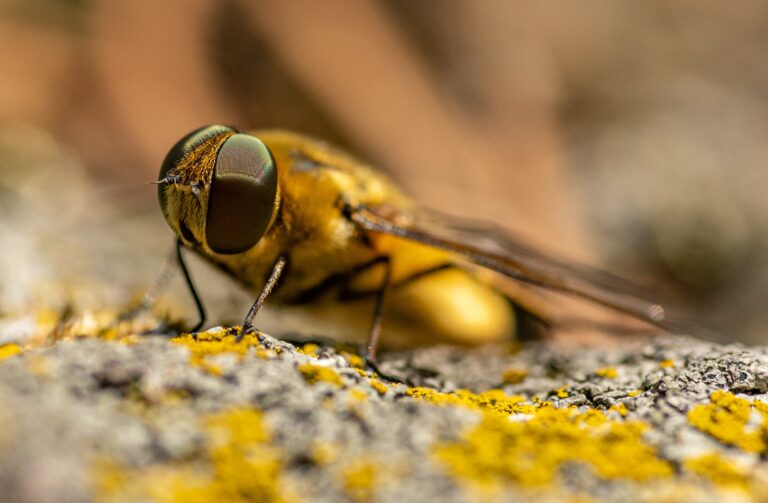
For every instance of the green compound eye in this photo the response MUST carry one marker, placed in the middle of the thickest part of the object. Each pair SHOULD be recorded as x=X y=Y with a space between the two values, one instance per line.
x=242 y=199
x=182 y=148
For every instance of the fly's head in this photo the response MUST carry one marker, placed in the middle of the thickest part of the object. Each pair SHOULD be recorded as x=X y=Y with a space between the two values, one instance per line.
x=218 y=189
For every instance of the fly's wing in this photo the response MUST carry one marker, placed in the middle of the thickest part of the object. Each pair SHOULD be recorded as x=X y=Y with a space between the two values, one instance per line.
x=492 y=248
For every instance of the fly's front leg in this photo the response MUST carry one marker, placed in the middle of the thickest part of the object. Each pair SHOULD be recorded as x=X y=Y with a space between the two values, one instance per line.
x=191 y=286
x=277 y=270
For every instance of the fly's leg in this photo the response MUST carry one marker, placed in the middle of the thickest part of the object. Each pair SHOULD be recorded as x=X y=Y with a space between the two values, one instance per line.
x=191 y=286
x=151 y=294
x=160 y=283
x=378 y=313
x=376 y=323
x=277 y=270
x=348 y=210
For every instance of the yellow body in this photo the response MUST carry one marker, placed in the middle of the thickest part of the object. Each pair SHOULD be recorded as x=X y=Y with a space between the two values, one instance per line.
x=431 y=298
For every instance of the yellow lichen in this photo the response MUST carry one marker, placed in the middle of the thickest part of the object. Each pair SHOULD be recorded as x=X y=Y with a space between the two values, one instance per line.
x=265 y=354
x=635 y=393
x=492 y=400
x=130 y=340
x=531 y=449
x=667 y=364
x=531 y=452
x=727 y=418
x=323 y=453
x=110 y=479
x=175 y=396
x=309 y=349
x=761 y=407
x=213 y=342
x=514 y=376
x=358 y=395
x=360 y=479
x=354 y=360
x=8 y=350
x=244 y=468
x=620 y=408
x=241 y=467
x=379 y=386
x=209 y=367
x=243 y=425
x=607 y=372
x=561 y=392
x=314 y=374
x=717 y=469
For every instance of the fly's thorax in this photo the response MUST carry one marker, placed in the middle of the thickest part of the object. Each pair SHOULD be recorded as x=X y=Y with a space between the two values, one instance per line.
x=301 y=156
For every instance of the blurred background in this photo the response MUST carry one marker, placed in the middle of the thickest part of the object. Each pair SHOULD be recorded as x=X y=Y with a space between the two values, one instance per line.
x=628 y=134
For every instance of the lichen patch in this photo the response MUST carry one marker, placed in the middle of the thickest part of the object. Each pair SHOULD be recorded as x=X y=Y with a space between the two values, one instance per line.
x=314 y=374
x=532 y=452
x=239 y=465
x=204 y=345
x=733 y=421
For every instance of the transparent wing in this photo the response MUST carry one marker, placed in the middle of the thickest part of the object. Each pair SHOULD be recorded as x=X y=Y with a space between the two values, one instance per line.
x=493 y=248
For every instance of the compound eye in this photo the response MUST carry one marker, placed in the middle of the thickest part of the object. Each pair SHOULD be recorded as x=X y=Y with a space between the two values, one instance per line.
x=243 y=195
x=181 y=149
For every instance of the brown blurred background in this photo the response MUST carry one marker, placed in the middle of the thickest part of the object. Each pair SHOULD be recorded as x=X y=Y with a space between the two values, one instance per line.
x=631 y=134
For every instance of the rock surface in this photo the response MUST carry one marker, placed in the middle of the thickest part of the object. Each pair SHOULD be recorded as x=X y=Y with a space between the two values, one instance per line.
x=117 y=417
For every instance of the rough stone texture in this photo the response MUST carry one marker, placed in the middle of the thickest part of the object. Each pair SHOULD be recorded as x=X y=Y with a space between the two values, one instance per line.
x=92 y=412
x=128 y=418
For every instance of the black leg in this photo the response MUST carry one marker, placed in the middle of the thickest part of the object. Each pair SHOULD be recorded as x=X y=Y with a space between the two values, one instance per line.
x=277 y=270
x=381 y=297
x=191 y=286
